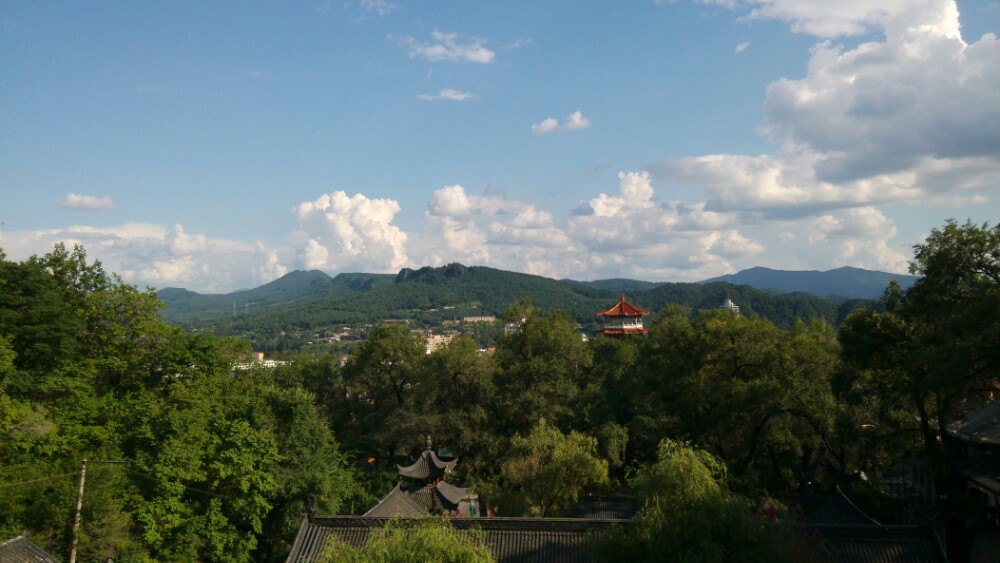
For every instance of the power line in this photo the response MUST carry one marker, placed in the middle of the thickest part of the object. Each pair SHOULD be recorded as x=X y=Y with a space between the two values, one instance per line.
x=146 y=475
x=37 y=480
x=162 y=482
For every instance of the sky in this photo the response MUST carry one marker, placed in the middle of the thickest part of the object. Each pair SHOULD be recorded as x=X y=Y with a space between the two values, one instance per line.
x=217 y=146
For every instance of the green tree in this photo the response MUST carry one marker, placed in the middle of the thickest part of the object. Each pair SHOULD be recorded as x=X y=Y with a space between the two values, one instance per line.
x=689 y=514
x=431 y=540
x=552 y=468
x=936 y=344
x=458 y=392
x=757 y=396
x=541 y=368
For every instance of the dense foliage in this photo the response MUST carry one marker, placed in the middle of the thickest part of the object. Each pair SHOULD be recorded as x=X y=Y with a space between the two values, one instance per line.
x=689 y=514
x=220 y=467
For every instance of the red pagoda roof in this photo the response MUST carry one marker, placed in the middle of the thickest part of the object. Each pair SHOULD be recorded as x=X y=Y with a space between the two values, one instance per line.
x=623 y=309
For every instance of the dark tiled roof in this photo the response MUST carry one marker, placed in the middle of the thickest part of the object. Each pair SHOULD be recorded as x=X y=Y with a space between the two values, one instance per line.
x=606 y=507
x=21 y=550
x=559 y=540
x=979 y=423
x=428 y=466
x=397 y=503
x=418 y=501
x=873 y=544
x=451 y=493
x=835 y=508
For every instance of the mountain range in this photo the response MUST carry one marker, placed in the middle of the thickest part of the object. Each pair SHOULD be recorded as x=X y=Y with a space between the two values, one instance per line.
x=313 y=299
x=843 y=282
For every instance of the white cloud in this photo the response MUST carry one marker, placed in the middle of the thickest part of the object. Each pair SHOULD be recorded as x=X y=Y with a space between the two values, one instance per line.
x=546 y=125
x=627 y=233
x=824 y=18
x=151 y=254
x=741 y=47
x=378 y=7
x=89 y=202
x=914 y=117
x=860 y=237
x=450 y=47
x=351 y=233
x=574 y=121
x=448 y=94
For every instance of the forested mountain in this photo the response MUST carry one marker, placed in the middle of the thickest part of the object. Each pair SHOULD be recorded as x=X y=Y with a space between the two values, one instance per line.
x=845 y=282
x=295 y=288
x=432 y=295
x=617 y=284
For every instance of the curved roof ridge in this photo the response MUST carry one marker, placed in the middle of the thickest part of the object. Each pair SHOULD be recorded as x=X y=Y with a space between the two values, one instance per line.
x=452 y=493
x=396 y=496
x=623 y=309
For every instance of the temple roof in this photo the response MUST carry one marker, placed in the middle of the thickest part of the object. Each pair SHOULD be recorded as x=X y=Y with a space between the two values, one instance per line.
x=882 y=544
x=428 y=466
x=979 y=423
x=834 y=508
x=451 y=493
x=21 y=550
x=623 y=309
x=605 y=506
x=397 y=503
x=562 y=540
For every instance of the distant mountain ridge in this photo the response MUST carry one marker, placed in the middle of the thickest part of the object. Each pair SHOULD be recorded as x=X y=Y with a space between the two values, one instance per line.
x=295 y=288
x=430 y=295
x=842 y=282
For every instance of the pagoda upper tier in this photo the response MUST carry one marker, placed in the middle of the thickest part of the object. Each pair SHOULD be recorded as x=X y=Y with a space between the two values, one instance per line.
x=623 y=318
x=428 y=467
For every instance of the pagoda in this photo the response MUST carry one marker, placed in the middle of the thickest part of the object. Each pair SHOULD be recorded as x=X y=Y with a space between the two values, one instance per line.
x=623 y=318
x=422 y=491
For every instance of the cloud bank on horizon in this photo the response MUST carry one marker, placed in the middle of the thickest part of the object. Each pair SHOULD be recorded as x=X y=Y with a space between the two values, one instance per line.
x=912 y=117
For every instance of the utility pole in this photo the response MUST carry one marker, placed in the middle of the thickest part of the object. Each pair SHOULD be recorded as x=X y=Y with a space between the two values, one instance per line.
x=79 y=503
x=79 y=506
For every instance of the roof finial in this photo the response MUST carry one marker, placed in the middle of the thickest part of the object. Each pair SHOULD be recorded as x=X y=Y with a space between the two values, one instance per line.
x=429 y=442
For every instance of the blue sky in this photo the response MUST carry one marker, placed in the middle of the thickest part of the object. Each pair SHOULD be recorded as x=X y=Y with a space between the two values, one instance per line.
x=207 y=145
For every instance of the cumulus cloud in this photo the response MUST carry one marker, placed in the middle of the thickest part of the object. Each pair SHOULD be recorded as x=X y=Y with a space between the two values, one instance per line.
x=351 y=233
x=913 y=117
x=625 y=233
x=573 y=122
x=450 y=47
x=860 y=237
x=822 y=17
x=152 y=254
x=88 y=202
x=741 y=47
x=448 y=94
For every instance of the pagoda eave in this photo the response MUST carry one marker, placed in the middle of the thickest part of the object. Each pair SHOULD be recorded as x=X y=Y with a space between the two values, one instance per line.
x=620 y=331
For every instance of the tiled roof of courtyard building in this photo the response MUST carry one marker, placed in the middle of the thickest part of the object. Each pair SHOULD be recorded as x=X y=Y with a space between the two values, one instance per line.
x=830 y=543
x=21 y=550
x=559 y=540
x=397 y=503
x=978 y=422
x=601 y=507
x=834 y=508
